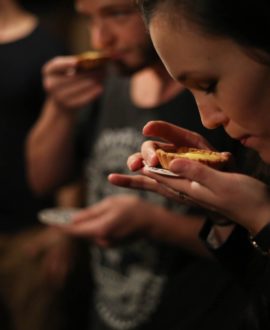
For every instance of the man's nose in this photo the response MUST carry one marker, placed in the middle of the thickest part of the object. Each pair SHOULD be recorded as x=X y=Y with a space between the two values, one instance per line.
x=102 y=36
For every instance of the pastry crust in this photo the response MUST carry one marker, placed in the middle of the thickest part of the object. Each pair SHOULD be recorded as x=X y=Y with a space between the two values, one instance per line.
x=211 y=158
x=91 y=60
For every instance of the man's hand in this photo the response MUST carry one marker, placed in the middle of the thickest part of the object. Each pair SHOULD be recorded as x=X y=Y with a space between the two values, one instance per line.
x=121 y=217
x=68 y=88
x=112 y=219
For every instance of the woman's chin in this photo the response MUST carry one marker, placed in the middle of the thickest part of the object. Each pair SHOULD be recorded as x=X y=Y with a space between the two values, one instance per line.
x=265 y=155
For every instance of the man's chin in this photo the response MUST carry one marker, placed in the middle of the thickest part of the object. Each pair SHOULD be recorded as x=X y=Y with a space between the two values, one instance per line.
x=128 y=70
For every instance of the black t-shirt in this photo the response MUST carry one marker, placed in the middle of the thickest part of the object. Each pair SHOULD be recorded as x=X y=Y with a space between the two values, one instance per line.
x=252 y=269
x=21 y=98
x=146 y=284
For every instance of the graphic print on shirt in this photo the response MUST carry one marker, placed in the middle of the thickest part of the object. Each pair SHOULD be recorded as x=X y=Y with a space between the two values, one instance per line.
x=129 y=278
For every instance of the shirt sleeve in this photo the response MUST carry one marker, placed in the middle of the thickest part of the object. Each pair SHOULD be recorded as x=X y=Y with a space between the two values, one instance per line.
x=237 y=254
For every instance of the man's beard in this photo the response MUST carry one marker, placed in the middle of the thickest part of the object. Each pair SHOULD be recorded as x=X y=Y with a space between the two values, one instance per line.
x=149 y=57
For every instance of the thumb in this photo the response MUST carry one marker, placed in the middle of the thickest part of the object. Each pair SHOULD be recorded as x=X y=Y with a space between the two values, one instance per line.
x=196 y=172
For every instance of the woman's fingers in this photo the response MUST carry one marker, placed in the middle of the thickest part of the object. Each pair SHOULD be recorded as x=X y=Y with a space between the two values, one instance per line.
x=145 y=183
x=196 y=180
x=198 y=173
x=135 y=162
x=175 y=134
x=148 y=151
x=133 y=181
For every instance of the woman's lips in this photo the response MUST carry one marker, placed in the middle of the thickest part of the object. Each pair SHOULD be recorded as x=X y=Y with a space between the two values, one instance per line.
x=249 y=141
x=241 y=138
x=244 y=139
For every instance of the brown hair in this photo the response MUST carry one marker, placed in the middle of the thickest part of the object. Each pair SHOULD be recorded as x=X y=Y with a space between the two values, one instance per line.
x=247 y=22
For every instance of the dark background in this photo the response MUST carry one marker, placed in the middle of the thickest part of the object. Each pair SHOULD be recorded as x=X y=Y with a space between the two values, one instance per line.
x=61 y=19
x=38 y=5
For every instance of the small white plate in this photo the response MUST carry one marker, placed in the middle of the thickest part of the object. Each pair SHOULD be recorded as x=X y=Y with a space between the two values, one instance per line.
x=160 y=171
x=57 y=215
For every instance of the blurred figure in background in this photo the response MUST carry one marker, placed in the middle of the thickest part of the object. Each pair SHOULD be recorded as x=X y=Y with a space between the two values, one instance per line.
x=145 y=272
x=34 y=260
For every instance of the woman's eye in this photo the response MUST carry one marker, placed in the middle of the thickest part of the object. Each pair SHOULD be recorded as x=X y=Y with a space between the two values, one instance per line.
x=211 y=88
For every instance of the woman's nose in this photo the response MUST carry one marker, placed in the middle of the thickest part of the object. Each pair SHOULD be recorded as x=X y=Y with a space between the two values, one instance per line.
x=211 y=115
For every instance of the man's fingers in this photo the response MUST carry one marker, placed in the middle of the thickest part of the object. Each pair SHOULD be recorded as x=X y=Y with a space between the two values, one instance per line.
x=90 y=213
x=60 y=65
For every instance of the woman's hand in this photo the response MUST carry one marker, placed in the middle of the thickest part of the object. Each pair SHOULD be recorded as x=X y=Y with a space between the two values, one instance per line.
x=172 y=135
x=243 y=199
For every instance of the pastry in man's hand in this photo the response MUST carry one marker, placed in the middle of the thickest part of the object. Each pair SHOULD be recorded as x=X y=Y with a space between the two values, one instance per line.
x=214 y=159
x=91 y=60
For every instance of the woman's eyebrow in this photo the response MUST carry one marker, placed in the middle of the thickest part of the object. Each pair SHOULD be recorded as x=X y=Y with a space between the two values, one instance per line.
x=190 y=75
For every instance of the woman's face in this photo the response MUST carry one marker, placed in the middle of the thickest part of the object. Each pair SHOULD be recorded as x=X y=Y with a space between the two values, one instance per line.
x=230 y=87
